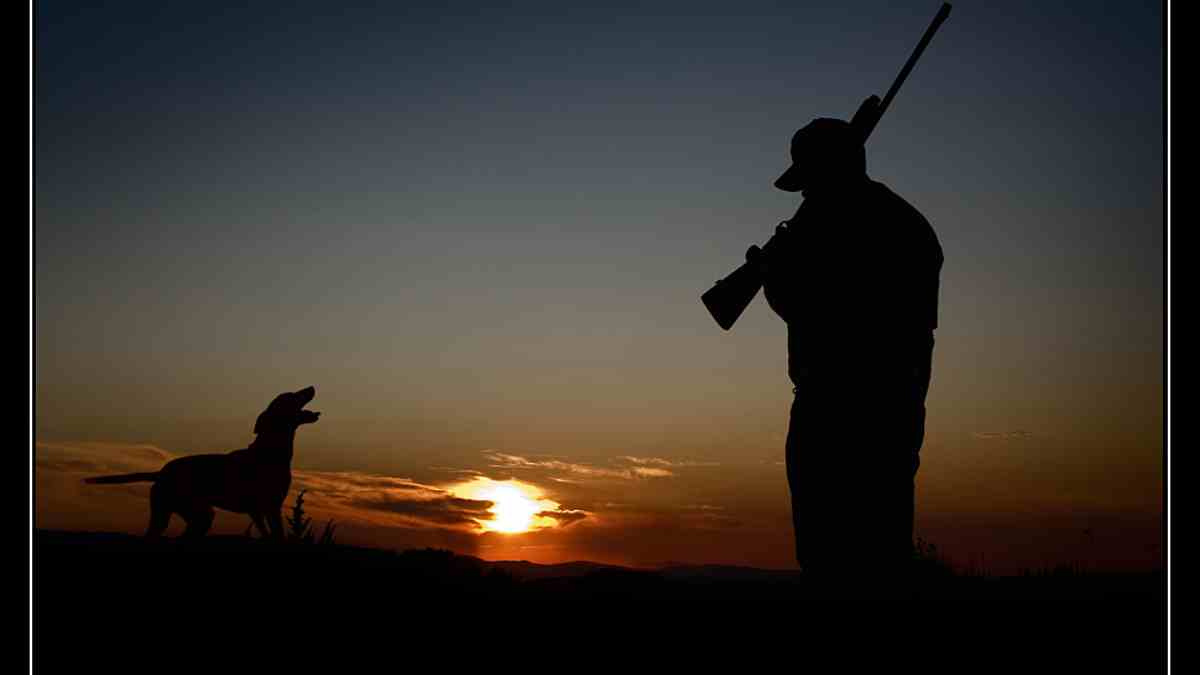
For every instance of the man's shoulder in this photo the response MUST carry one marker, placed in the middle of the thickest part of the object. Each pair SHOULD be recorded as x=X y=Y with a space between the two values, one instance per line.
x=898 y=211
x=887 y=198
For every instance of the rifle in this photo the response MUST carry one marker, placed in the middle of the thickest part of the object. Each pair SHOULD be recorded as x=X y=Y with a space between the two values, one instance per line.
x=729 y=297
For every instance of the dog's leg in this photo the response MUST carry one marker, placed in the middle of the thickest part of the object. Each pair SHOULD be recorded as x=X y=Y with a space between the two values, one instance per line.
x=199 y=520
x=276 y=519
x=160 y=513
x=260 y=524
x=159 y=519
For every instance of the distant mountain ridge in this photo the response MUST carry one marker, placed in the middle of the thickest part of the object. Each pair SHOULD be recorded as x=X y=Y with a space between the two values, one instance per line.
x=523 y=570
x=531 y=571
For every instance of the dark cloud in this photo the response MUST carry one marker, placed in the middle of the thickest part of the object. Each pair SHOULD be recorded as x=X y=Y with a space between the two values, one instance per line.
x=564 y=517
x=576 y=470
x=438 y=511
x=389 y=501
x=1003 y=435
x=451 y=469
x=340 y=482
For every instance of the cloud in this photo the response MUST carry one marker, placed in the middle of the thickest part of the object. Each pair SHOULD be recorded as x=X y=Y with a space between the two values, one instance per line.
x=1003 y=435
x=63 y=501
x=439 y=510
x=69 y=466
x=651 y=472
x=93 y=458
x=707 y=517
x=641 y=467
x=564 y=517
x=501 y=460
x=659 y=461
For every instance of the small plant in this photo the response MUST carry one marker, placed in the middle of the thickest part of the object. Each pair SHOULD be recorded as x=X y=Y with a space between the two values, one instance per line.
x=927 y=561
x=300 y=530
x=299 y=525
x=924 y=549
x=327 y=533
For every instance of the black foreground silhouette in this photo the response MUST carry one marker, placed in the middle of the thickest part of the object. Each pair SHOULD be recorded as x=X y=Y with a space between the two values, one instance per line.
x=254 y=480
x=854 y=274
x=858 y=288
x=119 y=601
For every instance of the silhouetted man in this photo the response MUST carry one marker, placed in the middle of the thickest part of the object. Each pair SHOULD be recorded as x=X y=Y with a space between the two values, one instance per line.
x=855 y=276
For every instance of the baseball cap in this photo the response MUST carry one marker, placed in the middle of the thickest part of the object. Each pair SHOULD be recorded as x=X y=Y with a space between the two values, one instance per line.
x=818 y=142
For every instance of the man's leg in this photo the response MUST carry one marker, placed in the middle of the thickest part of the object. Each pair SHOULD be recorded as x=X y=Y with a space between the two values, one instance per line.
x=809 y=486
x=792 y=451
x=897 y=483
x=817 y=482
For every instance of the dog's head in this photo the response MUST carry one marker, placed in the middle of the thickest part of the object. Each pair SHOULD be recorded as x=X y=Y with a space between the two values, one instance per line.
x=287 y=412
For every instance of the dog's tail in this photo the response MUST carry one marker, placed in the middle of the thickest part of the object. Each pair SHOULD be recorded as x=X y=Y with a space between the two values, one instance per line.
x=123 y=478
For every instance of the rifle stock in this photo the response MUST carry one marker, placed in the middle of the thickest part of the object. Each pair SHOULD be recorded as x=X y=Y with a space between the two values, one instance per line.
x=729 y=297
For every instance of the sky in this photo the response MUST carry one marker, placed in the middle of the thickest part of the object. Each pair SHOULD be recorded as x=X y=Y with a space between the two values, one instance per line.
x=481 y=232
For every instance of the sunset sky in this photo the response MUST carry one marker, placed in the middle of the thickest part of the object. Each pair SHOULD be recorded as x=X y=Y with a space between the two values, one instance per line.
x=481 y=233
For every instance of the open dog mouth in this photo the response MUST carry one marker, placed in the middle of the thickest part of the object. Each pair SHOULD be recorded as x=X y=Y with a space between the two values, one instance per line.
x=307 y=395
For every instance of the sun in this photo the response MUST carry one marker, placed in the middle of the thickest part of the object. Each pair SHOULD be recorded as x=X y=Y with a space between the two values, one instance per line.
x=516 y=506
x=512 y=511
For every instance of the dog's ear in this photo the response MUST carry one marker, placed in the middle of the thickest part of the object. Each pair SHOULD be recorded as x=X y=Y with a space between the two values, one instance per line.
x=268 y=416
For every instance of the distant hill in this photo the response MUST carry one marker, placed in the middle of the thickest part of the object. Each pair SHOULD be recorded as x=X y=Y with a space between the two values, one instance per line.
x=521 y=570
x=531 y=571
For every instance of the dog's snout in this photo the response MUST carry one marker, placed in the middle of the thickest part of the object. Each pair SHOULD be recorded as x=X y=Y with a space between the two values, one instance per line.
x=308 y=393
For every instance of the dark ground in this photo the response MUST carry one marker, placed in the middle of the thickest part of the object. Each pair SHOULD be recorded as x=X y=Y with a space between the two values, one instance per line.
x=110 y=602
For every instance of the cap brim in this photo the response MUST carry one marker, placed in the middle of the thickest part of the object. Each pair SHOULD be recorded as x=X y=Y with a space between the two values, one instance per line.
x=790 y=180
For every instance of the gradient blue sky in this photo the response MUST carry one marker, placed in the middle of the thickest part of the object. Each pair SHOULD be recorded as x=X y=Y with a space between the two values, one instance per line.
x=486 y=229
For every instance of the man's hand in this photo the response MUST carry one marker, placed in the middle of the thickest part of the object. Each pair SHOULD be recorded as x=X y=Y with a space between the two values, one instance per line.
x=759 y=256
x=776 y=285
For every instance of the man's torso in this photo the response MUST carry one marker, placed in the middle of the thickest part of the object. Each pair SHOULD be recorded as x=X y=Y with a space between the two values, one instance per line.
x=856 y=280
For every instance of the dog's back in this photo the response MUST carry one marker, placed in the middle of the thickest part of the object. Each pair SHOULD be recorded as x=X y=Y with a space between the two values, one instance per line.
x=242 y=481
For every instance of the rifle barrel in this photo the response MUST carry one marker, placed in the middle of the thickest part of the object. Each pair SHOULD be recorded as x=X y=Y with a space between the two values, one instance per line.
x=941 y=16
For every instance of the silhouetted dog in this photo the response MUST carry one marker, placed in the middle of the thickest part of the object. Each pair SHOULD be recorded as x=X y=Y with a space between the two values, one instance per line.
x=254 y=480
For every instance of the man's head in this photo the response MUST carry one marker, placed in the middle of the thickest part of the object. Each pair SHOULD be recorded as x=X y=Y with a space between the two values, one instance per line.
x=825 y=152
